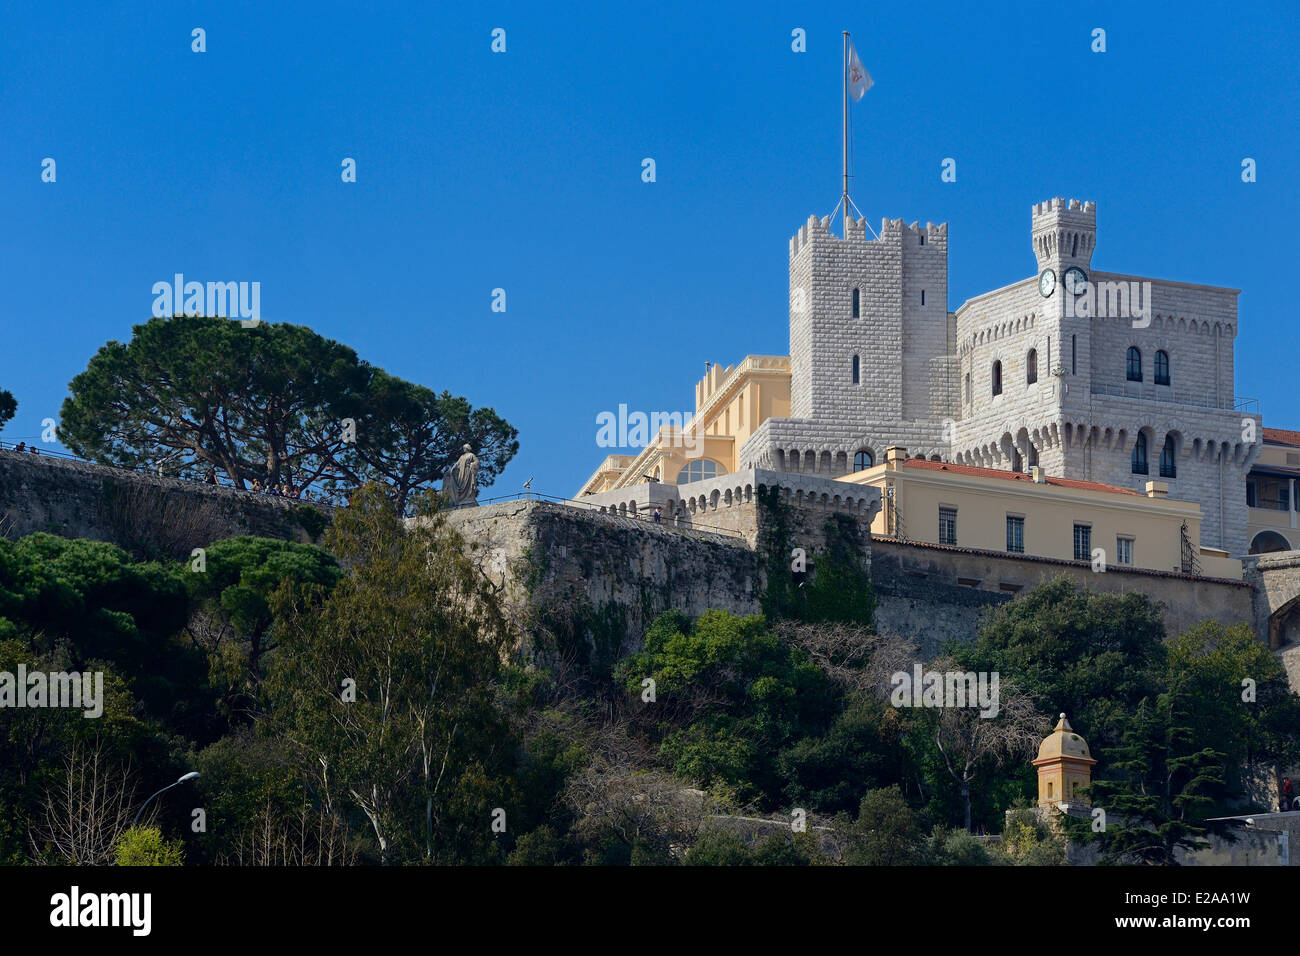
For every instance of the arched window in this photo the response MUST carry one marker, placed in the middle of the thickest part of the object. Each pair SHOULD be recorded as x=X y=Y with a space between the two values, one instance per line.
x=1168 y=468
x=997 y=378
x=697 y=470
x=1017 y=463
x=863 y=459
x=856 y=374
x=1033 y=456
x=1031 y=367
x=1140 y=455
x=1162 y=367
x=1134 y=364
x=857 y=304
x=1268 y=541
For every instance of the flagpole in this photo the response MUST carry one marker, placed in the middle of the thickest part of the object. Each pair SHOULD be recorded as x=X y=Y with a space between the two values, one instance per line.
x=844 y=199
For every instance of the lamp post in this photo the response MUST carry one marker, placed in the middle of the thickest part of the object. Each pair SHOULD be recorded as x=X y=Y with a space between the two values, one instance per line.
x=189 y=776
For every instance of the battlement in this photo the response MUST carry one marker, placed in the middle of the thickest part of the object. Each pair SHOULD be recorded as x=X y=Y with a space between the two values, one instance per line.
x=142 y=513
x=892 y=231
x=1083 y=208
x=1064 y=230
x=713 y=379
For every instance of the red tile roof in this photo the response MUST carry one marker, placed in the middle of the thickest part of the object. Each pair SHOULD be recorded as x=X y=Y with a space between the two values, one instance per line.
x=1014 y=476
x=1281 y=436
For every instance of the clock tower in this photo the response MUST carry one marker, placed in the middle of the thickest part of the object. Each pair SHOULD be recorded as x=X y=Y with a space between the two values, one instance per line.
x=1064 y=235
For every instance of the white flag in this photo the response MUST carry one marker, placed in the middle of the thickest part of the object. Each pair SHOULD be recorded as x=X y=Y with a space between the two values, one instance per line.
x=859 y=79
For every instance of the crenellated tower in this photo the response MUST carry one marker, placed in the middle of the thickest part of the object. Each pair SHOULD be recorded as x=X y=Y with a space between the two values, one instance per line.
x=1064 y=234
x=869 y=324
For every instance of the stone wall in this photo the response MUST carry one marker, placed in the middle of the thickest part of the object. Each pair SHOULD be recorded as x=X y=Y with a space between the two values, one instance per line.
x=600 y=569
x=939 y=592
x=726 y=505
x=590 y=583
x=1266 y=841
x=1276 y=581
x=608 y=572
x=149 y=516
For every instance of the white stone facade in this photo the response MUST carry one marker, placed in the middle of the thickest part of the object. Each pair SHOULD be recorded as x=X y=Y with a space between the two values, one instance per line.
x=925 y=376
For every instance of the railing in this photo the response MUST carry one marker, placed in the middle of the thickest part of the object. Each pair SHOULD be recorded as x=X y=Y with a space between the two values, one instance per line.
x=1247 y=405
x=313 y=493
x=29 y=448
x=320 y=496
x=1191 y=560
x=1278 y=503
x=641 y=517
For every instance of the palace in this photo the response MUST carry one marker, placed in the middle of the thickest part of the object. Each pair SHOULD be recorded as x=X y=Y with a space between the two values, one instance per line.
x=1110 y=394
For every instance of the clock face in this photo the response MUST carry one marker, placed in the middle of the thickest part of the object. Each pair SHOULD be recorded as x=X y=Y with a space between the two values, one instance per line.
x=1047 y=282
x=1076 y=280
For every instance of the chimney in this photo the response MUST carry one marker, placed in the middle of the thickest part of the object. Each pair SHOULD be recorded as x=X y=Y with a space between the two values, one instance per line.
x=1157 y=489
x=1037 y=474
x=895 y=455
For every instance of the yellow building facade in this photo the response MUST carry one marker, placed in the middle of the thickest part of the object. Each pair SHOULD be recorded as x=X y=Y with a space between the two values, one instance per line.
x=991 y=510
x=1273 y=518
x=730 y=403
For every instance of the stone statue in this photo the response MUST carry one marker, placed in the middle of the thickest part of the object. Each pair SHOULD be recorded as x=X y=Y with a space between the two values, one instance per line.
x=460 y=482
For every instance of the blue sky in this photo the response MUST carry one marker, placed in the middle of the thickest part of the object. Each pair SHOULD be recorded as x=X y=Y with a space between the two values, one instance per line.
x=523 y=171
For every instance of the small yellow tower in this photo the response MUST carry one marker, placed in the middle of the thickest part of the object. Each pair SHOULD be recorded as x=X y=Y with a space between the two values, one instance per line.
x=1064 y=767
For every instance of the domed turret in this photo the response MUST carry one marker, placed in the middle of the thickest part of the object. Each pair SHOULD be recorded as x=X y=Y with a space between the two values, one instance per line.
x=1064 y=767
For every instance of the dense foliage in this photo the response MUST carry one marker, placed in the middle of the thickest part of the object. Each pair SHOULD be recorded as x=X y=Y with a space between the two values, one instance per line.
x=8 y=407
x=276 y=403
x=356 y=703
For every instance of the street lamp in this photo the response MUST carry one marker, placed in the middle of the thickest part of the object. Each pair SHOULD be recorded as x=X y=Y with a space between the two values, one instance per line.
x=189 y=776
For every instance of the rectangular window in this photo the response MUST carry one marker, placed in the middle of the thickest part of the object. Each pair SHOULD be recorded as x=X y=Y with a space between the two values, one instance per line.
x=1123 y=550
x=947 y=525
x=1074 y=355
x=1082 y=542
x=923 y=297
x=1016 y=534
x=1273 y=494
